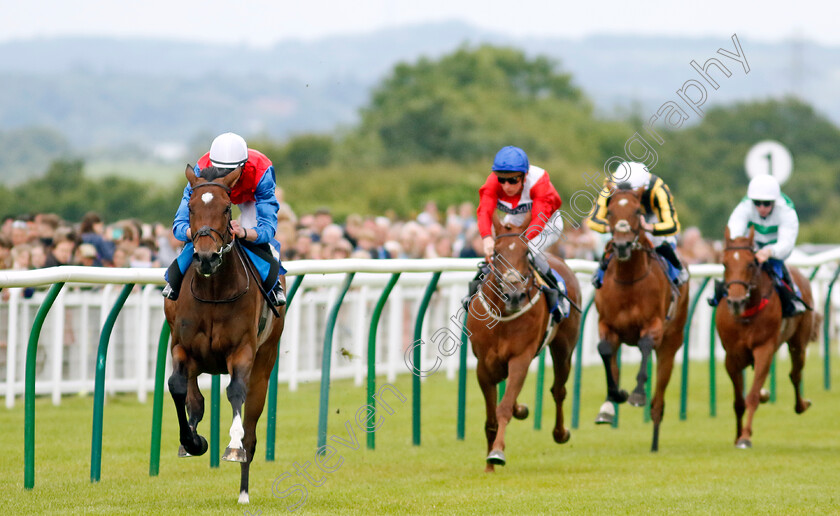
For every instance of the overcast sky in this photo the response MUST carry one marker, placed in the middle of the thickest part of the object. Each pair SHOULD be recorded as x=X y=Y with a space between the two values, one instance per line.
x=263 y=22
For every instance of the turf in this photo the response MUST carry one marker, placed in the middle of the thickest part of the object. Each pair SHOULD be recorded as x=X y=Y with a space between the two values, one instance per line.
x=792 y=468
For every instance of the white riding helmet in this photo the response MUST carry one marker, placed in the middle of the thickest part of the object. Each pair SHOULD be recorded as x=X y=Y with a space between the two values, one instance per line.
x=632 y=172
x=228 y=150
x=764 y=188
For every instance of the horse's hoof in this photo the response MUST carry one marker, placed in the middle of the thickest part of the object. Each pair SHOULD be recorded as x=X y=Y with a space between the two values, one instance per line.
x=802 y=408
x=496 y=457
x=604 y=418
x=620 y=397
x=182 y=452
x=201 y=450
x=637 y=399
x=564 y=437
x=743 y=444
x=489 y=468
x=234 y=455
x=520 y=411
x=763 y=396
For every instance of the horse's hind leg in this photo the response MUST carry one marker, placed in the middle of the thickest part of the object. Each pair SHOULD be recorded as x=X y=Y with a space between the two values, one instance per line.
x=191 y=442
x=607 y=351
x=254 y=404
x=796 y=346
x=561 y=355
x=638 y=397
x=491 y=425
x=763 y=356
x=664 y=367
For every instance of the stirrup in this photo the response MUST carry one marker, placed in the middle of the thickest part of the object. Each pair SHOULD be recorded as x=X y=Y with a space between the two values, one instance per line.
x=169 y=293
x=278 y=297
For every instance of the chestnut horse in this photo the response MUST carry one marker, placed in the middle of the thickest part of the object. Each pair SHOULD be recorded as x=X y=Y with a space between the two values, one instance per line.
x=508 y=323
x=634 y=307
x=751 y=329
x=221 y=325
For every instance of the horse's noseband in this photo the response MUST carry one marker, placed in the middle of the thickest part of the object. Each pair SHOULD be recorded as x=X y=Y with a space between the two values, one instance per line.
x=208 y=231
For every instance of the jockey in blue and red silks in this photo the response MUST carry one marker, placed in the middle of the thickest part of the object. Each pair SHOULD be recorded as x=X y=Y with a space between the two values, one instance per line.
x=253 y=192
x=516 y=188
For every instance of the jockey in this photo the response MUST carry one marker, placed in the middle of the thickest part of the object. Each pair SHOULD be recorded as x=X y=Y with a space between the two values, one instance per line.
x=776 y=224
x=659 y=219
x=516 y=187
x=253 y=192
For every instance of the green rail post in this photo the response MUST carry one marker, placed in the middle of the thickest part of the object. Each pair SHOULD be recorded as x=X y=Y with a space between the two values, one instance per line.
x=814 y=273
x=29 y=395
x=538 y=401
x=371 y=359
x=648 y=382
x=462 y=381
x=326 y=361
x=415 y=381
x=500 y=393
x=99 y=388
x=616 y=406
x=712 y=367
x=773 y=379
x=686 y=335
x=157 y=410
x=215 y=396
x=579 y=366
x=271 y=421
x=826 y=336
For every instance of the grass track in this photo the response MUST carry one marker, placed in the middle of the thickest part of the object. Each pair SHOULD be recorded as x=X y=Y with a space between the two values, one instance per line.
x=792 y=469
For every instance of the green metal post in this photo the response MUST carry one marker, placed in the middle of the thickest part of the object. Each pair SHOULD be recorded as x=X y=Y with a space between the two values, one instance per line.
x=826 y=329
x=773 y=380
x=616 y=406
x=271 y=421
x=157 y=410
x=415 y=381
x=712 y=367
x=648 y=382
x=371 y=357
x=500 y=391
x=538 y=402
x=99 y=388
x=326 y=360
x=814 y=273
x=686 y=335
x=462 y=381
x=579 y=366
x=215 y=395
x=29 y=395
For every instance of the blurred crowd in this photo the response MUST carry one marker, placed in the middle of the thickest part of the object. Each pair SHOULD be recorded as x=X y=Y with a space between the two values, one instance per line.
x=32 y=241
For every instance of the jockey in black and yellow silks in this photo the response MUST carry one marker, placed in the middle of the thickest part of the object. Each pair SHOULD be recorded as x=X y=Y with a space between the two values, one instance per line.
x=659 y=218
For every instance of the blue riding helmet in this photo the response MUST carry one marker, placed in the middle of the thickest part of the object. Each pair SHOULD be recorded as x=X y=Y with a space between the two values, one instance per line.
x=511 y=159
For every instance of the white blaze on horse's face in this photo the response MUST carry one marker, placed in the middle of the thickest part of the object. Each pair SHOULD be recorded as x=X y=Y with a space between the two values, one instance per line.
x=207 y=197
x=511 y=246
x=623 y=202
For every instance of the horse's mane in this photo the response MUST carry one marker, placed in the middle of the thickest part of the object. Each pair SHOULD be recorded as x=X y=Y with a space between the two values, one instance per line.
x=213 y=173
x=624 y=185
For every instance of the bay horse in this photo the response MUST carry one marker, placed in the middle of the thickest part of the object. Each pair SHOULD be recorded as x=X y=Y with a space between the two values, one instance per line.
x=635 y=307
x=508 y=323
x=751 y=329
x=220 y=326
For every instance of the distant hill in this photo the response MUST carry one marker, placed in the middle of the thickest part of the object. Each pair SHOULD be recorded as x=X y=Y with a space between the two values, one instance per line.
x=112 y=96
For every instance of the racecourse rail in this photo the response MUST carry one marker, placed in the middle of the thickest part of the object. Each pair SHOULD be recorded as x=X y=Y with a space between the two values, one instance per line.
x=327 y=285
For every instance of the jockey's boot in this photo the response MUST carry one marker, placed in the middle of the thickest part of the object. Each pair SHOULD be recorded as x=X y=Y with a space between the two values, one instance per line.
x=667 y=251
x=791 y=305
x=551 y=288
x=598 y=276
x=169 y=292
x=472 y=289
x=720 y=292
x=277 y=295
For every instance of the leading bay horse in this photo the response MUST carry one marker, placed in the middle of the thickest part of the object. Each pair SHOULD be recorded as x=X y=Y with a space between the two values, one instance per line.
x=751 y=329
x=508 y=323
x=635 y=307
x=220 y=326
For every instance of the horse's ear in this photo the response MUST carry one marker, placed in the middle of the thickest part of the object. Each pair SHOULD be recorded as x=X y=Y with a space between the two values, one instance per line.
x=231 y=178
x=639 y=192
x=497 y=224
x=190 y=173
x=726 y=234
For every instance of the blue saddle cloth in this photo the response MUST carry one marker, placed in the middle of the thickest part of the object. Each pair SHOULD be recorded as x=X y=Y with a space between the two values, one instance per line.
x=262 y=266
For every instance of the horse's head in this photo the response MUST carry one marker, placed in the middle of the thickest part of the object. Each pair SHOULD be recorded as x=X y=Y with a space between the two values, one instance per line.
x=210 y=216
x=624 y=214
x=740 y=270
x=512 y=273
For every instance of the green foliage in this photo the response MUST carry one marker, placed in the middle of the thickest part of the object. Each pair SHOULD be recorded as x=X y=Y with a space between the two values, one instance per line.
x=27 y=151
x=704 y=164
x=299 y=155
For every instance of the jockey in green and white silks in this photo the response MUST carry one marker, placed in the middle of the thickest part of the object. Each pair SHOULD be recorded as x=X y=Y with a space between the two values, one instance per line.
x=773 y=217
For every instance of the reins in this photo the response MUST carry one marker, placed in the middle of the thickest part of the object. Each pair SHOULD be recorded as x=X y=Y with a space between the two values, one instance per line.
x=748 y=285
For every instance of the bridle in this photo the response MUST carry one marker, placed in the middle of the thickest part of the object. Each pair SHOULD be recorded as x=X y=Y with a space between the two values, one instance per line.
x=528 y=281
x=634 y=245
x=752 y=283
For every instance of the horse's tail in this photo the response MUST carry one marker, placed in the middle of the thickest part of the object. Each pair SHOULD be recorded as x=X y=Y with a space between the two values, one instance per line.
x=816 y=323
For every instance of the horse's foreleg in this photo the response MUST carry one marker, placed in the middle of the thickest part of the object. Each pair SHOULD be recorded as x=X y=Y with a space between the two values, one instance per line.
x=195 y=403
x=517 y=370
x=664 y=367
x=763 y=356
x=562 y=358
x=191 y=442
x=491 y=425
x=736 y=374
x=638 y=397
x=239 y=367
x=607 y=350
